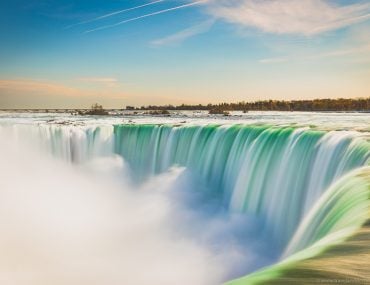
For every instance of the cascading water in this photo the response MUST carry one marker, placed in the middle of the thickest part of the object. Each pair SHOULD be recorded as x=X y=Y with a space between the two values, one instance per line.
x=308 y=188
x=276 y=173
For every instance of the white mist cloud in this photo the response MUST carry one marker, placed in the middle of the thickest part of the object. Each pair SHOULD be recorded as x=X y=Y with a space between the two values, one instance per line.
x=305 y=17
x=185 y=34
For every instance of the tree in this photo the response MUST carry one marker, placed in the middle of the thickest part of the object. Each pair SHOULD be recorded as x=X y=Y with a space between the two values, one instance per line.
x=96 y=107
x=96 y=110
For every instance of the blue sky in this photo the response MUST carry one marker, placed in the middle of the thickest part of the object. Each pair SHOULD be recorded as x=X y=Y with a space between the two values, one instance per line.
x=73 y=53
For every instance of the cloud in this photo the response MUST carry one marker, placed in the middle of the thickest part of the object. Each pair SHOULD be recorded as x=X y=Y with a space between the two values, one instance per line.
x=106 y=81
x=98 y=79
x=274 y=60
x=146 y=16
x=31 y=86
x=183 y=35
x=46 y=88
x=40 y=87
x=34 y=93
x=304 y=17
x=329 y=54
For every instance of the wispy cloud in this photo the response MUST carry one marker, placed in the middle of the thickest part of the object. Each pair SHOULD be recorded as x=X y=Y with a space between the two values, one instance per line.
x=40 y=93
x=304 y=17
x=106 y=81
x=329 y=54
x=115 y=13
x=40 y=87
x=185 y=34
x=98 y=79
x=274 y=60
x=146 y=16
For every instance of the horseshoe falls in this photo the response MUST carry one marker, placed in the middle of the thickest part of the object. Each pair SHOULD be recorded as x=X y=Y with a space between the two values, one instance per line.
x=209 y=201
x=252 y=169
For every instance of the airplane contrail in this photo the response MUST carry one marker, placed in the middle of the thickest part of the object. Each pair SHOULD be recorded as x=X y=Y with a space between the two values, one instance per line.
x=145 y=16
x=115 y=13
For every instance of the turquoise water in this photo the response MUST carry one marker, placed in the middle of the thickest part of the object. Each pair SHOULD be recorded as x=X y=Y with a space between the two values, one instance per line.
x=273 y=172
x=301 y=183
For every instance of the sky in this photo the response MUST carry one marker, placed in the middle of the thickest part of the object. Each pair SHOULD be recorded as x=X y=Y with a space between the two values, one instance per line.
x=70 y=54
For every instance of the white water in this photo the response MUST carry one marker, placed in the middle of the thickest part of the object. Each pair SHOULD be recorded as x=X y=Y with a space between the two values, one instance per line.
x=327 y=121
x=87 y=224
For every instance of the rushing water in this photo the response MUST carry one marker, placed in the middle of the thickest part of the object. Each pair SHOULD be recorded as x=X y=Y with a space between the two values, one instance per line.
x=241 y=196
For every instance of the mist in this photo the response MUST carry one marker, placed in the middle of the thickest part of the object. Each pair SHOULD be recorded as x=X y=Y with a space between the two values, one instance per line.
x=63 y=223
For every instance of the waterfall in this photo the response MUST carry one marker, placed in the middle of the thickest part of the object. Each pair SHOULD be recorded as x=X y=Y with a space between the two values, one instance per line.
x=274 y=172
x=277 y=173
x=307 y=186
x=332 y=241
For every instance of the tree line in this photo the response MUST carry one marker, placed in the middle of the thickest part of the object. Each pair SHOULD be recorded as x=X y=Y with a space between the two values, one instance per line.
x=360 y=105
